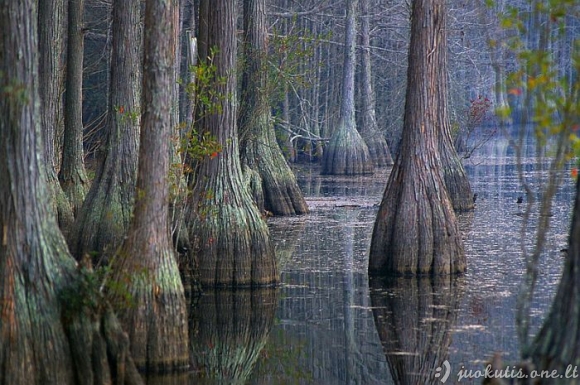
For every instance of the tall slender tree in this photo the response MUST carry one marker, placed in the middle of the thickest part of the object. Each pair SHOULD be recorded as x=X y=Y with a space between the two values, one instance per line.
x=72 y=175
x=231 y=243
x=104 y=217
x=51 y=33
x=416 y=231
x=375 y=140
x=347 y=153
x=276 y=189
x=49 y=333
x=157 y=325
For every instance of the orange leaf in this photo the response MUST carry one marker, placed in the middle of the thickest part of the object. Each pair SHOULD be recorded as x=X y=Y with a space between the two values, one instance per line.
x=515 y=91
x=574 y=172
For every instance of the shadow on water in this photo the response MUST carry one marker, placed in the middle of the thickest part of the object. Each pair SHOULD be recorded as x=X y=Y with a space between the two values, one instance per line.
x=414 y=318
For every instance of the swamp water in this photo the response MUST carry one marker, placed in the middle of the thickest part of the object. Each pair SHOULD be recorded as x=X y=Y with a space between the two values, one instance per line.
x=327 y=324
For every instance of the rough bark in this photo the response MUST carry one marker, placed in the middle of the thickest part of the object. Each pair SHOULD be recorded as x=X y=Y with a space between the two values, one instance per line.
x=105 y=215
x=72 y=175
x=557 y=345
x=456 y=181
x=230 y=240
x=277 y=186
x=50 y=44
x=50 y=333
x=416 y=231
x=347 y=153
x=157 y=324
x=376 y=142
x=414 y=318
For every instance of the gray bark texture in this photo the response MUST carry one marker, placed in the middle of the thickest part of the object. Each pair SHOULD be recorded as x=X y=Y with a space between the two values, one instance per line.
x=230 y=240
x=51 y=331
x=347 y=153
x=375 y=140
x=157 y=325
x=72 y=175
x=416 y=231
x=104 y=217
x=276 y=189
x=51 y=82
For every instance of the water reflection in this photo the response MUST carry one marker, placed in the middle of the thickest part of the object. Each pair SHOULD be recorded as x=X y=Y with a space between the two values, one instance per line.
x=414 y=318
x=228 y=331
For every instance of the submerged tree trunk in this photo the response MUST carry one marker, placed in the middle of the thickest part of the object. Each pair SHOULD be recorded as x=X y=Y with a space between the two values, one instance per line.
x=51 y=42
x=51 y=331
x=72 y=176
x=276 y=184
x=416 y=231
x=105 y=215
x=376 y=142
x=347 y=153
x=157 y=324
x=230 y=240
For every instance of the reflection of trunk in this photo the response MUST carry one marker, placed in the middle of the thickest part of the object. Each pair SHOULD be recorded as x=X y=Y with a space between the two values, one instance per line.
x=276 y=184
x=285 y=233
x=413 y=317
x=105 y=215
x=347 y=153
x=416 y=229
x=228 y=331
x=72 y=176
x=378 y=148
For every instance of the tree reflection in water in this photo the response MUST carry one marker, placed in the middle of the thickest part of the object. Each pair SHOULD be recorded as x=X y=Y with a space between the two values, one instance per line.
x=414 y=319
x=228 y=329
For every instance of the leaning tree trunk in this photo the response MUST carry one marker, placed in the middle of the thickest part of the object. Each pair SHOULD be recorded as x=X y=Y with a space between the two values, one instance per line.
x=276 y=189
x=416 y=231
x=51 y=42
x=347 y=153
x=376 y=142
x=72 y=176
x=454 y=174
x=157 y=324
x=104 y=217
x=50 y=332
x=230 y=240
x=557 y=345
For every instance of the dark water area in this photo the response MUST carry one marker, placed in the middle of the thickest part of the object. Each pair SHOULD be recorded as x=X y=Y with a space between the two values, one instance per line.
x=328 y=323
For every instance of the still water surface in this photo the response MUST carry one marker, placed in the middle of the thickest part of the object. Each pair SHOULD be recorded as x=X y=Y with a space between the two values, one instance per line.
x=327 y=324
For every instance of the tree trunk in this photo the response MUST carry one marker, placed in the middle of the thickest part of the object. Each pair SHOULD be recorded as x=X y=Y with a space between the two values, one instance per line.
x=454 y=175
x=416 y=231
x=347 y=153
x=260 y=151
x=105 y=216
x=230 y=240
x=51 y=332
x=376 y=142
x=51 y=42
x=72 y=176
x=557 y=345
x=157 y=325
